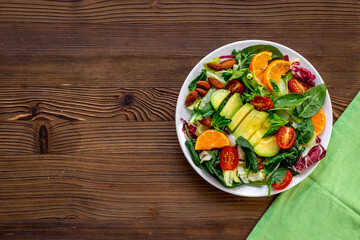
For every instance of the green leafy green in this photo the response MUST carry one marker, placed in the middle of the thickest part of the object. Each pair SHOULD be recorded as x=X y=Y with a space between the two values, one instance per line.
x=246 y=62
x=276 y=121
x=219 y=122
x=276 y=177
x=222 y=105
x=313 y=103
x=296 y=151
x=207 y=111
x=237 y=54
x=305 y=131
x=286 y=78
x=289 y=100
x=275 y=161
x=202 y=76
x=251 y=50
x=226 y=75
x=251 y=158
x=238 y=74
x=274 y=85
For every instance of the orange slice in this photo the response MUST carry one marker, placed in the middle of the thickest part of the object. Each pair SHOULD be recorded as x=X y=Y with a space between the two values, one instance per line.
x=319 y=122
x=211 y=139
x=259 y=63
x=274 y=71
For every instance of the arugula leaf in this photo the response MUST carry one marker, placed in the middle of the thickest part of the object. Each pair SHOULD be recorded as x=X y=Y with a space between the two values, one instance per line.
x=222 y=105
x=275 y=161
x=246 y=52
x=305 y=131
x=202 y=76
x=251 y=158
x=194 y=156
x=237 y=54
x=314 y=102
x=276 y=121
x=276 y=177
x=219 y=122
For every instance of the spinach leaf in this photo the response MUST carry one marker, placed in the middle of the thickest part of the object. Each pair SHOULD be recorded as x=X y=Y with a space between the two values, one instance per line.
x=292 y=113
x=289 y=100
x=305 y=131
x=314 y=102
x=246 y=62
x=251 y=50
x=219 y=122
x=276 y=121
x=297 y=150
x=226 y=75
x=202 y=76
x=207 y=111
x=276 y=177
x=194 y=156
x=251 y=158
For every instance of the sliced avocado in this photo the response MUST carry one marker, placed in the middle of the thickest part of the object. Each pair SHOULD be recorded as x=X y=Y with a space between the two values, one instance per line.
x=254 y=125
x=267 y=147
x=240 y=115
x=218 y=97
x=240 y=130
x=256 y=138
x=232 y=106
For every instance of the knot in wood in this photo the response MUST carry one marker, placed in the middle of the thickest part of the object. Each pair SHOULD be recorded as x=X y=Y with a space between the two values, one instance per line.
x=127 y=99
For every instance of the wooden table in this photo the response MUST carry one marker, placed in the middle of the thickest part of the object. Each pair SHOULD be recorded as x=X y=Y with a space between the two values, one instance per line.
x=87 y=103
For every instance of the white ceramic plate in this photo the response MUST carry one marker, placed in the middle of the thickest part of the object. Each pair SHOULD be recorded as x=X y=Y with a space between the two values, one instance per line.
x=183 y=112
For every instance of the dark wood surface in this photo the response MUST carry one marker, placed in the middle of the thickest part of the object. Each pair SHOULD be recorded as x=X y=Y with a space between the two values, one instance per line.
x=88 y=89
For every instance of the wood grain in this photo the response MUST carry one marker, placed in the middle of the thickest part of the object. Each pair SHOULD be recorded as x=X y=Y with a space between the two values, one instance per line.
x=88 y=89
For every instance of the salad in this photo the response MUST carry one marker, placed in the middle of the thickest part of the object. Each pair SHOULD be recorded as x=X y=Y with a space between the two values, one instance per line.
x=255 y=118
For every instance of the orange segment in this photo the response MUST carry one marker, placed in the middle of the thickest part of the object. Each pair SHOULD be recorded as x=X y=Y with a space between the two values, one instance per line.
x=210 y=139
x=259 y=62
x=319 y=122
x=274 y=71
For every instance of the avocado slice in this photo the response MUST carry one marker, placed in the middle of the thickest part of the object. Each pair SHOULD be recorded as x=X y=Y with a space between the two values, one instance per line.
x=218 y=97
x=267 y=147
x=232 y=106
x=240 y=130
x=256 y=138
x=240 y=115
x=254 y=125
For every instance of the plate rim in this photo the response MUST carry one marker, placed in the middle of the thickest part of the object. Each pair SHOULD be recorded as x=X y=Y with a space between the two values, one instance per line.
x=210 y=179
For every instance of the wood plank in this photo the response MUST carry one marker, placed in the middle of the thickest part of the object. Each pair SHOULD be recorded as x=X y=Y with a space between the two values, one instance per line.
x=37 y=71
x=183 y=11
x=108 y=187
x=138 y=228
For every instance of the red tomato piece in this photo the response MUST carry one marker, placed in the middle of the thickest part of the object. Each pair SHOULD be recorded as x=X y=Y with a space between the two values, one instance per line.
x=285 y=182
x=286 y=137
x=296 y=87
x=229 y=158
x=235 y=87
x=262 y=103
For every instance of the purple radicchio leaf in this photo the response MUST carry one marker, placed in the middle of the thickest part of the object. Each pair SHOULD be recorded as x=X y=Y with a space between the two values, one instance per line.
x=286 y=57
x=302 y=74
x=227 y=56
x=315 y=154
x=191 y=128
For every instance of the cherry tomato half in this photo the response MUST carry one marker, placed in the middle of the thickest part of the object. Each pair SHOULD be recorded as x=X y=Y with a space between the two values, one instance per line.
x=285 y=182
x=229 y=158
x=235 y=87
x=286 y=137
x=296 y=87
x=262 y=103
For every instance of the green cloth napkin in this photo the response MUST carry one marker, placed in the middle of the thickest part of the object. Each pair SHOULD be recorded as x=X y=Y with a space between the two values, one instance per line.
x=326 y=205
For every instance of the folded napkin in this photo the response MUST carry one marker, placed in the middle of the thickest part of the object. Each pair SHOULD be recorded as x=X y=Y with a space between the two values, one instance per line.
x=326 y=205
